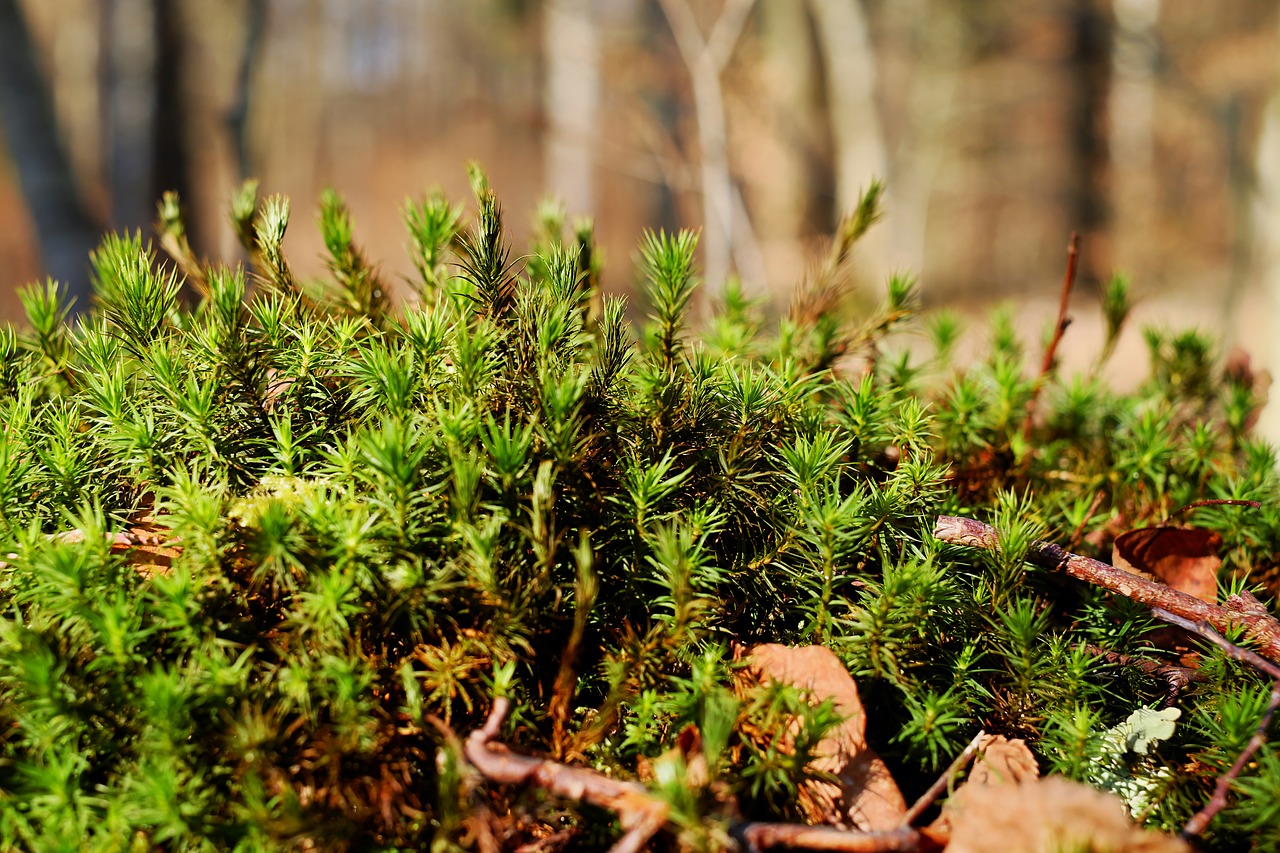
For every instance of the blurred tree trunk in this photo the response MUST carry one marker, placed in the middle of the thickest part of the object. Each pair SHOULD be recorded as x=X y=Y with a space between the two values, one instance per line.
x=130 y=29
x=144 y=55
x=931 y=52
x=798 y=189
x=572 y=101
x=65 y=230
x=1131 y=113
x=220 y=44
x=1091 y=72
x=1266 y=243
x=851 y=79
x=851 y=97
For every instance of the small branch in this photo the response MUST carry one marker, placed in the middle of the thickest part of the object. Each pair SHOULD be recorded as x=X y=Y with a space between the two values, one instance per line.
x=1177 y=608
x=1259 y=626
x=935 y=790
x=1068 y=281
x=1233 y=651
x=1216 y=502
x=1200 y=820
x=123 y=539
x=642 y=814
x=1088 y=516
x=1176 y=677
x=796 y=836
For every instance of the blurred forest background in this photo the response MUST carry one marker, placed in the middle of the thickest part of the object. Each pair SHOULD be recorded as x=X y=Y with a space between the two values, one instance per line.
x=1150 y=126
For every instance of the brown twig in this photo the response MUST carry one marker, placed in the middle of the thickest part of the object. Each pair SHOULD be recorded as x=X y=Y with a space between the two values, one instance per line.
x=1259 y=625
x=1088 y=516
x=1176 y=677
x=1200 y=820
x=1215 y=502
x=642 y=814
x=1060 y=327
x=797 y=836
x=940 y=784
x=1232 y=650
x=123 y=539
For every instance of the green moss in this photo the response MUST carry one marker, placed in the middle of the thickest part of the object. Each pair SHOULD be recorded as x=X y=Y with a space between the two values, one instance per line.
x=389 y=515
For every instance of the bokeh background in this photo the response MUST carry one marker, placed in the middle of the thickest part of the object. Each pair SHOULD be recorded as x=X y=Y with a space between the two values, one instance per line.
x=1152 y=127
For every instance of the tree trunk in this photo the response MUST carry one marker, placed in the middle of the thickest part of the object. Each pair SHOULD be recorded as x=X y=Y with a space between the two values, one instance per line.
x=65 y=230
x=572 y=101
x=851 y=96
x=1091 y=70
x=1131 y=114
x=146 y=105
x=858 y=137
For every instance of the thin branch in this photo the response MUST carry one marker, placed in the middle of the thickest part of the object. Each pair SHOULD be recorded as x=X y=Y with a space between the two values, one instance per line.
x=123 y=539
x=942 y=782
x=726 y=32
x=1232 y=650
x=1216 y=502
x=1175 y=677
x=796 y=836
x=1060 y=327
x=705 y=59
x=1259 y=625
x=1088 y=516
x=1200 y=820
x=642 y=814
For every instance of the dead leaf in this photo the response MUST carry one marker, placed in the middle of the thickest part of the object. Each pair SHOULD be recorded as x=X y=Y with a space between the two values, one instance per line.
x=1184 y=558
x=865 y=795
x=1048 y=815
x=148 y=546
x=1001 y=761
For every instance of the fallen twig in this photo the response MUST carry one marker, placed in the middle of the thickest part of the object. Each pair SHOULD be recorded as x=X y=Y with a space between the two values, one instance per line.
x=642 y=814
x=1060 y=327
x=123 y=539
x=1261 y=627
x=1233 y=651
x=1176 y=677
x=797 y=836
x=1177 y=608
x=1200 y=820
x=940 y=784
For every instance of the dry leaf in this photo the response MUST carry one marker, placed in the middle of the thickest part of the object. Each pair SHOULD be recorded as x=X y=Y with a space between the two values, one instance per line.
x=148 y=546
x=865 y=795
x=1046 y=816
x=1001 y=760
x=1184 y=558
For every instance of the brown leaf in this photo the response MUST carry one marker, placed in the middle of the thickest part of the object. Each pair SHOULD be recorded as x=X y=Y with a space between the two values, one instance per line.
x=148 y=546
x=1045 y=816
x=864 y=795
x=1184 y=558
x=1001 y=761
